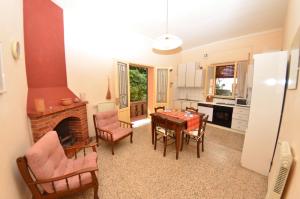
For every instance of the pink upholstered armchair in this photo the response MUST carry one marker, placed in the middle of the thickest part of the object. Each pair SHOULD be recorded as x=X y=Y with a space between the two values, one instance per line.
x=50 y=174
x=110 y=129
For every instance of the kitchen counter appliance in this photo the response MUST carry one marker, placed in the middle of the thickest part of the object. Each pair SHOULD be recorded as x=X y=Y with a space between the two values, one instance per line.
x=222 y=115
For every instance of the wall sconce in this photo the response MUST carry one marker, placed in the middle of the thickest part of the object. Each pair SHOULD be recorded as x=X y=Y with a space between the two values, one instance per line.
x=15 y=50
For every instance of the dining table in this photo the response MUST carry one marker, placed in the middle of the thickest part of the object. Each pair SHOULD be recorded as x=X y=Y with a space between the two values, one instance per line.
x=177 y=121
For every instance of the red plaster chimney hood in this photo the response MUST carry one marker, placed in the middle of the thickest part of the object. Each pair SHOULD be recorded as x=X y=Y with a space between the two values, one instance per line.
x=45 y=53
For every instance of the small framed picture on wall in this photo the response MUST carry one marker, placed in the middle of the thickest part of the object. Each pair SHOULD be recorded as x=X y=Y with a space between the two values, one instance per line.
x=2 y=80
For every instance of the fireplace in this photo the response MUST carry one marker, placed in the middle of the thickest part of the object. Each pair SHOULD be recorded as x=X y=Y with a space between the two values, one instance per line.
x=70 y=123
x=66 y=130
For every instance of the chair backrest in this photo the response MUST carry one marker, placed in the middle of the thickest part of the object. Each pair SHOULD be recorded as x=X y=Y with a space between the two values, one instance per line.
x=160 y=121
x=191 y=109
x=107 y=120
x=159 y=108
x=200 y=124
x=204 y=121
x=45 y=157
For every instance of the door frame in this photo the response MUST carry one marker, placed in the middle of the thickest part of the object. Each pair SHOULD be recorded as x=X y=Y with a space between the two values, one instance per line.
x=147 y=98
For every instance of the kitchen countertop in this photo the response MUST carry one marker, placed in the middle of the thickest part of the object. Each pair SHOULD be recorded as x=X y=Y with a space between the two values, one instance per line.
x=224 y=104
x=216 y=103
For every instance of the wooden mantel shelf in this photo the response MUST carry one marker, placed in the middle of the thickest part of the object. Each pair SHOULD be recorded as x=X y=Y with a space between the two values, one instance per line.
x=55 y=109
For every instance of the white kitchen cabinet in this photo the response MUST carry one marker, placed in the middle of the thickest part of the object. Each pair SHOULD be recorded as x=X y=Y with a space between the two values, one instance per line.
x=239 y=125
x=240 y=117
x=198 y=76
x=207 y=111
x=190 y=75
x=181 y=73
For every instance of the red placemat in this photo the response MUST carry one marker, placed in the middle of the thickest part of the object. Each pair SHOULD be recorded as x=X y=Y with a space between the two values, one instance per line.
x=192 y=122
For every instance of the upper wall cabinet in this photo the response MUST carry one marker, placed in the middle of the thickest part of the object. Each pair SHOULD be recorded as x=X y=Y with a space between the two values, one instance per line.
x=199 y=76
x=181 y=72
x=189 y=75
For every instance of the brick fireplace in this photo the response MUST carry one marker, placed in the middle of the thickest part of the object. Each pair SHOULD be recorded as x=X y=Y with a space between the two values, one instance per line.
x=70 y=122
x=47 y=78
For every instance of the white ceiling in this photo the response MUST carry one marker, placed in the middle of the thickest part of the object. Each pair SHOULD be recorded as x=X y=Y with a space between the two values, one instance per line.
x=197 y=22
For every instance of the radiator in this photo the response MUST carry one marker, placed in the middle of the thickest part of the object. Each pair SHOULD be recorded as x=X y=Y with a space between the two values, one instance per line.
x=106 y=106
x=280 y=170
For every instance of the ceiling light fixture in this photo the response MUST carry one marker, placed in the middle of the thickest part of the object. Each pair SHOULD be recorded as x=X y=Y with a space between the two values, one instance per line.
x=167 y=41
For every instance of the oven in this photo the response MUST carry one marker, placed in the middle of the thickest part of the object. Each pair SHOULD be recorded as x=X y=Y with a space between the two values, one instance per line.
x=222 y=116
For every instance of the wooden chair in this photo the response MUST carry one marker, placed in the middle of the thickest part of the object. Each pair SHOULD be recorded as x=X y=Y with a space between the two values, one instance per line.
x=157 y=109
x=191 y=109
x=110 y=129
x=163 y=131
x=196 y=134
x=50 y=174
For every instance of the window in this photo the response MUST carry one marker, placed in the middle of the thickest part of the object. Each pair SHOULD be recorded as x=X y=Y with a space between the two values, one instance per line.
x=162 y=85
x=225 y=80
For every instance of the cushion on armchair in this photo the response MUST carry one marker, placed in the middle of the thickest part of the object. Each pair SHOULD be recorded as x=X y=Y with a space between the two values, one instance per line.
x=109 y=121
x=47 y=159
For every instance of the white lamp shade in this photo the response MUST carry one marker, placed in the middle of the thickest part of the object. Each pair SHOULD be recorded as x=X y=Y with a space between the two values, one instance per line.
x=167 y=42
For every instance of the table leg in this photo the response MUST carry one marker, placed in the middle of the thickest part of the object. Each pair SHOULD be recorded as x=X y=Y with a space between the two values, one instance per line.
x=178 y=138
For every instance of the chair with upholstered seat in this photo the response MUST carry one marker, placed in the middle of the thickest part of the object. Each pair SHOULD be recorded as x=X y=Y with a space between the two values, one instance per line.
x=50 y=174
x=196 y=134
x=110 y=129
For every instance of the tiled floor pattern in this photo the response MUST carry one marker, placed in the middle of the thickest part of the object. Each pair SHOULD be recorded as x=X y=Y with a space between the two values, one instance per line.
x=137 y=171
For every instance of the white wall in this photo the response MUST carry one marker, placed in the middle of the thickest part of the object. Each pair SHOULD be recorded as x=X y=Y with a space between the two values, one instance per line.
x=290 y=122
x=14 y=136
x=92 y=44
x=235 y=48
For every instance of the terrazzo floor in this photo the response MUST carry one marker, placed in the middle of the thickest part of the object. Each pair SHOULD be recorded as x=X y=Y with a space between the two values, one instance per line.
x=138 y=171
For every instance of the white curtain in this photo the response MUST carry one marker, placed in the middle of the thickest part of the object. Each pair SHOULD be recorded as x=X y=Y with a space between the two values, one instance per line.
x=123 y=84
x=162 y=85
x=241 y=79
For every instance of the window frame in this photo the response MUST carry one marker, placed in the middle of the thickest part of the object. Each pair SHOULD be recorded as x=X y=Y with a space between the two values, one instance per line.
x=234 y=80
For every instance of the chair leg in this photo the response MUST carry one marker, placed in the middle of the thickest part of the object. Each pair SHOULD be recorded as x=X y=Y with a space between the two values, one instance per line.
x=97 y=139
x=131 y=137
x=203 y=143
x=187 y=139
x=112 y=148
x=165 y=145
x=182 y=141
x=198 y=152
x=96 y=192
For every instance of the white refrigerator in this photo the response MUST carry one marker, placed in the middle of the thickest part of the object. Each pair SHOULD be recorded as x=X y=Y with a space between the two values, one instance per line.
x=268 y=89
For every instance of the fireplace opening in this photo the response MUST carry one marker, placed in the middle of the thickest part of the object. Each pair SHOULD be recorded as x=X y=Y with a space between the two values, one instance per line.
x=66 y=130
